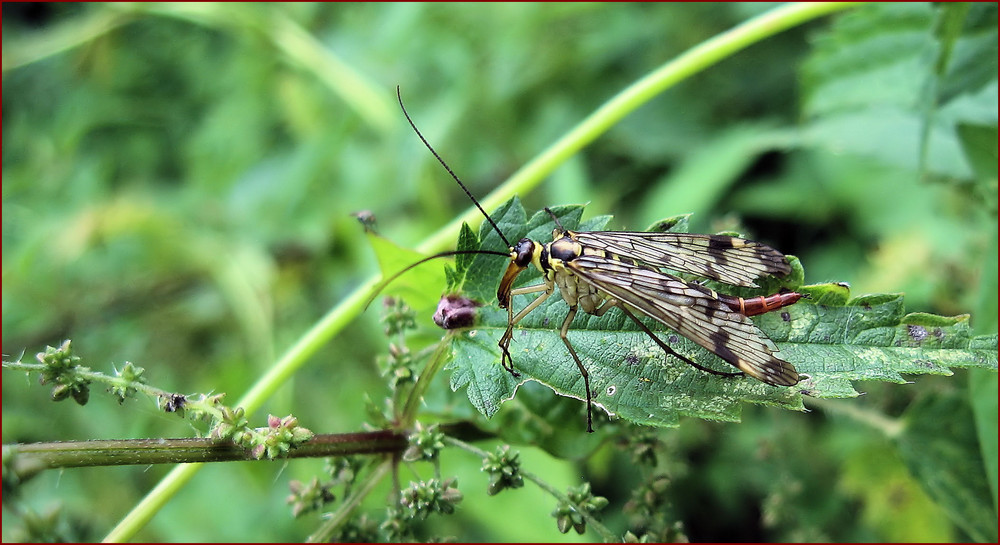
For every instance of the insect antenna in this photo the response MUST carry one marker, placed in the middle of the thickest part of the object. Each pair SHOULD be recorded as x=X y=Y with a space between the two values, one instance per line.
x=381 y=285
x=555 y=218
x=446 y=167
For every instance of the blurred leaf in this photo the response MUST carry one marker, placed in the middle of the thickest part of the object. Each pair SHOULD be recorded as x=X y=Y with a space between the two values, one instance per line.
x=855 y=98
x=413 y=284
x=863 y=49
x=893 y=500
x=980 y=146
x=968 y=35
x=948 y=29
x=939 y=444
x=703 y=177
x=983 y=398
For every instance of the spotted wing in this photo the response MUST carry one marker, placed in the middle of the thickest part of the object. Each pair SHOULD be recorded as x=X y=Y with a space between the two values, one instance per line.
x=727 y=259
x=691 y=310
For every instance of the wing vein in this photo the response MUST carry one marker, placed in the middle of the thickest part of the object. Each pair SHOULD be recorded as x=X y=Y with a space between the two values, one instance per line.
x=691 y=310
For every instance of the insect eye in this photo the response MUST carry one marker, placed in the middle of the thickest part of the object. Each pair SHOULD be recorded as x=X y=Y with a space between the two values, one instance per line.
x=524 y=250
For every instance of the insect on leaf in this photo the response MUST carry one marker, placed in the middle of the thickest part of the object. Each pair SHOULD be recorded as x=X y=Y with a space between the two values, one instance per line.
x=833 y=342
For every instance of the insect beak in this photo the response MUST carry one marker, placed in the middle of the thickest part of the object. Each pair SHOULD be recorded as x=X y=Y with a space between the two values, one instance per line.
x=503 y=292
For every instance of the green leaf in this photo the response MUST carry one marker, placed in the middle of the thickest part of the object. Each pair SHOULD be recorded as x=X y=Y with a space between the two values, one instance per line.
x=983 y=399
x=467 y=240
x=893 y=81
x=940 y=446
x=979 y=143
x=488 y=385
x=828 y=337
x=861 y=51
x=411 y=286
x=674 y=224
x=969 y=49
x=510 y=218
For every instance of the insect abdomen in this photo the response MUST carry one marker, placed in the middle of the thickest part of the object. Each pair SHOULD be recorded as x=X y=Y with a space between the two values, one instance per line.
x=756 y=306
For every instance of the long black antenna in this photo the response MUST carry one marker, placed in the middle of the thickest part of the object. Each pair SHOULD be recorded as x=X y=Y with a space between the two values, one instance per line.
x=446 y=167
x=555 y=218
x=381 y=285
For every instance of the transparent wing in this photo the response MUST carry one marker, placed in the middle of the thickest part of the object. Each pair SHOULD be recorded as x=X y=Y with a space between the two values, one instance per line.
x=727 y=259
x=691 y=310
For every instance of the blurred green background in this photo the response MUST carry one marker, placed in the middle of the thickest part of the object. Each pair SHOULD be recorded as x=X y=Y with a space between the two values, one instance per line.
x=178 y=181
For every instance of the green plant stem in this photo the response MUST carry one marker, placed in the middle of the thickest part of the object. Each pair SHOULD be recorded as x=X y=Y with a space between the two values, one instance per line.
x=434 y=364
x=152 y=503
x=117 y=452
x=365 y=97
x=695 y=60
x=325 y=531
x=370 y=101
x=890 y=427
x=606 y=535
x=113 y=381
x=631 y=98
x=65 y=36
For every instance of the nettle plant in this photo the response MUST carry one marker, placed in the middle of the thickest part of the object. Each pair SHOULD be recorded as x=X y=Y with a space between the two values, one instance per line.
x=638 y=380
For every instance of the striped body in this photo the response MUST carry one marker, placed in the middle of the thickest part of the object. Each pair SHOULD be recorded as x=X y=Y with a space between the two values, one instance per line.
x=755 y=306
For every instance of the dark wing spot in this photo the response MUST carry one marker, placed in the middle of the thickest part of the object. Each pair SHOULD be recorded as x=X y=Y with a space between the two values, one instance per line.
x=720 y=242
x=720 y=340
x=710 y=269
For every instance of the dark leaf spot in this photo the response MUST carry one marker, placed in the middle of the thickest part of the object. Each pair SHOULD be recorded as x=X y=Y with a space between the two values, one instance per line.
x=916 y=332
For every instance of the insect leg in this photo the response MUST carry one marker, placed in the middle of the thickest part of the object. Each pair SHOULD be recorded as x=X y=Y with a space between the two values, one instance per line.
x=579 y=364
x=607 y=305
x=505 y=360
x=670 y=351
x=530 y=289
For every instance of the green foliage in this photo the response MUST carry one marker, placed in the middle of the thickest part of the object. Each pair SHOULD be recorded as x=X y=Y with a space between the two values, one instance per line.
x=178 y=187
x=935 y=450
